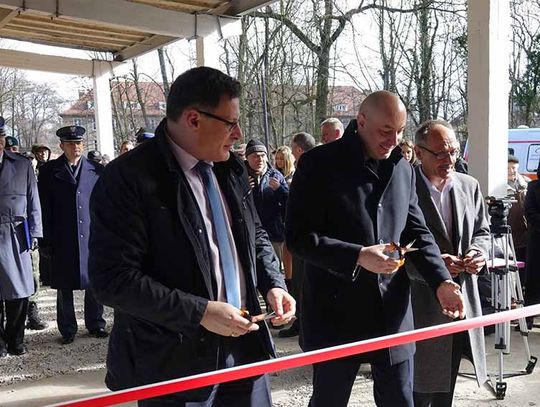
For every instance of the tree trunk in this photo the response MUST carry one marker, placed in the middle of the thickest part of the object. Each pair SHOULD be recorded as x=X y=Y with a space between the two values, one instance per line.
x=163 y=69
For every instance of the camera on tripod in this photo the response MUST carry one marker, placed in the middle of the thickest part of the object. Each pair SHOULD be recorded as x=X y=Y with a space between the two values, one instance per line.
x=505 y=287
x=498 y=209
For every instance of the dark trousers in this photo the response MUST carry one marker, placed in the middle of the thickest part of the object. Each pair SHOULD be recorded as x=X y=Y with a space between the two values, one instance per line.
x=333 y=382
x=65 y=313
x=12 y=320
x=250 y=392
x=298 y=287
x=460 y=346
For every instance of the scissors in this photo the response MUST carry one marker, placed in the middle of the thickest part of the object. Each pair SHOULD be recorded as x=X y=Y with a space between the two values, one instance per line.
x=403 y=250
x=257 y=318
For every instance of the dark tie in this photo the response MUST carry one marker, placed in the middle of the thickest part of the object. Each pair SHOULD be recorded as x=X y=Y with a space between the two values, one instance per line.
x=220 y=227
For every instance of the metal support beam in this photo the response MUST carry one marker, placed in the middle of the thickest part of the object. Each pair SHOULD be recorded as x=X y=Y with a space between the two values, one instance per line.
x=488 y=88
x=103 y=108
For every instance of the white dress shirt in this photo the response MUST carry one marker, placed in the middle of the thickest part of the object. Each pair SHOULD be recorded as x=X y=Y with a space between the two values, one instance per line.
x=442 y=201
x=187 y=162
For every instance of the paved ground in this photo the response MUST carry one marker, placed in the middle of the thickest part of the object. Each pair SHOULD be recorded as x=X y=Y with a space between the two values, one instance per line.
x=52 y=373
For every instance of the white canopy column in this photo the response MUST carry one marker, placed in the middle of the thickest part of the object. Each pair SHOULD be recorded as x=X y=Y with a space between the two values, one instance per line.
x=102 y=107
x=488 y=89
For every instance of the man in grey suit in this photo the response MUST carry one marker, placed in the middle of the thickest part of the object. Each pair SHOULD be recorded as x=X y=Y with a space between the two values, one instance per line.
x=455 y=214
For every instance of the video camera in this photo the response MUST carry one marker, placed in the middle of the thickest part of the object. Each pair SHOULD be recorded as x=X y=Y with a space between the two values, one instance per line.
x=498 y=209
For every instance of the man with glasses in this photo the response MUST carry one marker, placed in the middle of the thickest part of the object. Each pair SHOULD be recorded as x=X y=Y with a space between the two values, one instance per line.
x=454 y=210
x=178 y=251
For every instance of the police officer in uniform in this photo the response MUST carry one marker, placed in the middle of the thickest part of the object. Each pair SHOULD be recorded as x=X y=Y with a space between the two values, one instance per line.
x=65 y=185
x=20 y=226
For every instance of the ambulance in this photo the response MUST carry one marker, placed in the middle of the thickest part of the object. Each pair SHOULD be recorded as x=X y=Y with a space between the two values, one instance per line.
x=524 y=143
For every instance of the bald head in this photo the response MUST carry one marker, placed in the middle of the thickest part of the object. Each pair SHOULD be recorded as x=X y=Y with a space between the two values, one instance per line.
x=382 y=101
x=381 y=122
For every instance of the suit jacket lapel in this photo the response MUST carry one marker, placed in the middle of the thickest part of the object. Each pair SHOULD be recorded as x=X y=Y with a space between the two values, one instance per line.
x=431 y=214
x=63 y=172
x=458 y=204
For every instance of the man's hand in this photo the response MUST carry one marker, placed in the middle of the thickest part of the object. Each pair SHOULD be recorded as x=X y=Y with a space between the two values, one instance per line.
x=224 y=319
x=451 y=300
x=282 y=304
x=251 y=181
x=274 y=183
x=373 y=259
x=454 y=264
x=474 y=261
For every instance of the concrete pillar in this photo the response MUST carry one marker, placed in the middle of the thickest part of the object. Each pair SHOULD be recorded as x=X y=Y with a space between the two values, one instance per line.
x=488 y=89
x=103 y=108
x=209 y=49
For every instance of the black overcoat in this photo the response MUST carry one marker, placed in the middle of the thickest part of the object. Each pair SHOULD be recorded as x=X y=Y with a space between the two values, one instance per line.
x=150 y=261
x=65 y=204
x=336 y=206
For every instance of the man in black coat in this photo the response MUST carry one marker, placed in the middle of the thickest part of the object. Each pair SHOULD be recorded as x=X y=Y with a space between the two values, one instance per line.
x=177 y=249
x=65 y=185
x=349 y=200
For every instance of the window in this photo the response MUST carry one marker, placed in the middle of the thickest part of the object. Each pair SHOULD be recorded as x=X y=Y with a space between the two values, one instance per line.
x=161 y=105
x=135 y=105
x=340 y=108
x=90 y=104
x=77 y=122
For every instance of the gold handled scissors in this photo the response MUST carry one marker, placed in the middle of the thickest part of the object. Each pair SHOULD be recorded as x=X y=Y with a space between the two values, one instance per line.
x=257 y=318
x=403 y=250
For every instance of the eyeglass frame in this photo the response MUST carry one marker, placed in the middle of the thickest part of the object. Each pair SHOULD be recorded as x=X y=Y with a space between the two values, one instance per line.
x=232 y=125
x=443 y=154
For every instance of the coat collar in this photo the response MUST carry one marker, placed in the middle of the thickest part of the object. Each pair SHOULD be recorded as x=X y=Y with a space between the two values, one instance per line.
x=356 y=148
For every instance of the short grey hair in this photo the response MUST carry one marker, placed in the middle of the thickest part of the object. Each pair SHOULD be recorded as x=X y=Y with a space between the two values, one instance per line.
x=422 y=132
x=335 y=122
x=304 y=140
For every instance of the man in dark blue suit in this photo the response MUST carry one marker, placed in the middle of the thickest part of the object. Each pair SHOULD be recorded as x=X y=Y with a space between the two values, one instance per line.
x=349 y=200
x=178 y=250
x=65 y=185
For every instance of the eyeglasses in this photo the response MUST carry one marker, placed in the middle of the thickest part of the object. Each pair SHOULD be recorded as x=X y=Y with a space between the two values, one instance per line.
x=232 y=125
x=443 y=154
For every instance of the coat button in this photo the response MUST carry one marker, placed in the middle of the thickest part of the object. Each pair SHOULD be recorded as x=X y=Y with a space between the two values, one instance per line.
x=80 y=207
x=82 y=236
x=379 y=205
x=80 y=220
x=78 y=192
x=200 y=231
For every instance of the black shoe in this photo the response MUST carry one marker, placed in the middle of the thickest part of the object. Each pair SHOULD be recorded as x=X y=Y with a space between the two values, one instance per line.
x=98 y=333
x=34 y=321
x=66 y=340
x=17 y=350
x=3 y=352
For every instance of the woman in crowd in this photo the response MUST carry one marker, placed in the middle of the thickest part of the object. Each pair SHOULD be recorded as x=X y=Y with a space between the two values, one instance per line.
x=407 y=149
x=284 y=162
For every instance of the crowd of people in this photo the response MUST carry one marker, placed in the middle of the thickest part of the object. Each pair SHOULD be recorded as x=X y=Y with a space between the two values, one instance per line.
x=362 y=235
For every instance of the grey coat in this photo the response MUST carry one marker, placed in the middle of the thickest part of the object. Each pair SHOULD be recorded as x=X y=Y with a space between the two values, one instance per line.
x=20 y=221
x=432 y=362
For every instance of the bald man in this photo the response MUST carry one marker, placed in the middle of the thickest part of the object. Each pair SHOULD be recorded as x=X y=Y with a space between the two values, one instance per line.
x=331 y=130
x=349 y=200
